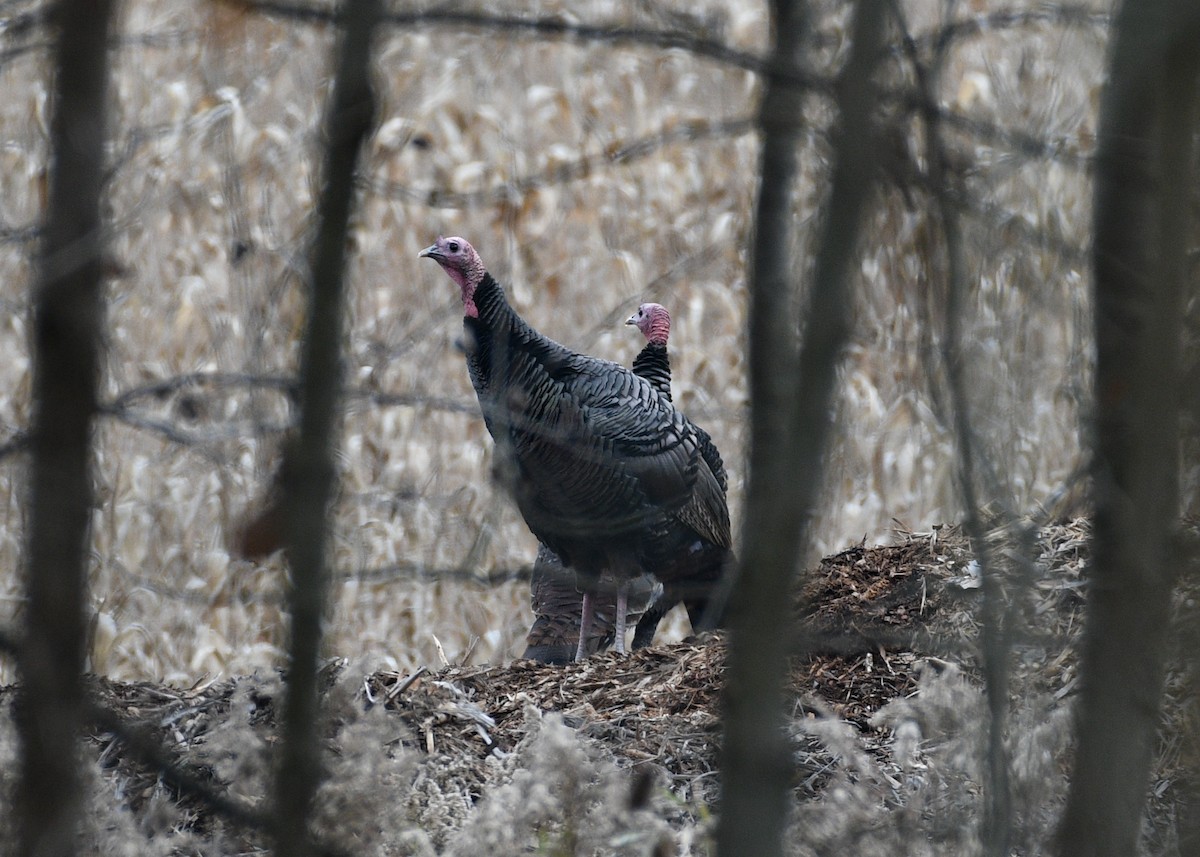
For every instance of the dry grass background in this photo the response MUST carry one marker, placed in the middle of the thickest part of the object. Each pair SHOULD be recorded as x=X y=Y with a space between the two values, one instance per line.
x=215 y=114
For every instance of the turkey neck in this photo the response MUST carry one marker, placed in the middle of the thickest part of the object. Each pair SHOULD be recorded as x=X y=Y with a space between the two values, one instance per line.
x=480 y=333
x=497 y=327
x=653 y=364
x=492 y=315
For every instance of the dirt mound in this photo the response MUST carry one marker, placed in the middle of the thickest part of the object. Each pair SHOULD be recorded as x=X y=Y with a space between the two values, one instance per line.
x=873 y=619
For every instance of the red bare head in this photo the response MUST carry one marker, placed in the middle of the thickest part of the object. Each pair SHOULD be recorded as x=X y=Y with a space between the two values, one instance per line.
x=653 y=321
x=463 y=265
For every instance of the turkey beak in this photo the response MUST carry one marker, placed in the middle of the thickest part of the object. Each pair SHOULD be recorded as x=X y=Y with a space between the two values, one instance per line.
x=632 y=319
x=431 y=251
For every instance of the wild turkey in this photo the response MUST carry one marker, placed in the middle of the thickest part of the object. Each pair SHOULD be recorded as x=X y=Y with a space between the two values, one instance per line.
x=602 y=468
x=554 y=595
x=693 y=575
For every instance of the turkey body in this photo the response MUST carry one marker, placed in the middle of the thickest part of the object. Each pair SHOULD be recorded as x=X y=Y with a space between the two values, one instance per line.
x=691 y=576
x=599 y=464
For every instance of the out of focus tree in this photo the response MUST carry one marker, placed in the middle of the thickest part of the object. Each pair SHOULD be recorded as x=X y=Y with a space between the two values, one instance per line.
x=67 y=324
x=308 y=476
x=1142 y=215
x=791 y=396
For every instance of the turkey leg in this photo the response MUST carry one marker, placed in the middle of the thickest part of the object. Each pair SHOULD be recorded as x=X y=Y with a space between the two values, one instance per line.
x=585 y=625
x=619 y=619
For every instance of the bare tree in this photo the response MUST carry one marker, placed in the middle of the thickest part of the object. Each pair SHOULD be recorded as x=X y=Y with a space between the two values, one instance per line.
x=790 y=396
x=66 y=365
x=308 y=471
x=1142 y=215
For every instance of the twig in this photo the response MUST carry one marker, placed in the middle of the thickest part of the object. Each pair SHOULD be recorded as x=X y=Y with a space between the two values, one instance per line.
x=402 y=686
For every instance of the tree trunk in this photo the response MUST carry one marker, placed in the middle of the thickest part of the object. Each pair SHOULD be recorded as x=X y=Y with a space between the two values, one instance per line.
x=67 y=323
x=308 y=466
x=1141 y=216
x=790 y=406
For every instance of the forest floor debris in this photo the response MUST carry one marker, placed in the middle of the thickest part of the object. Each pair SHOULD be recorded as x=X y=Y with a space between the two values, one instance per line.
x=876 y=620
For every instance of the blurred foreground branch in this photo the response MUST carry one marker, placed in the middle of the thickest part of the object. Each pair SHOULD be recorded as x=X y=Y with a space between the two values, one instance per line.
x=511 y=191
x=148 y=751
x=67 y=327
x=790 y=420
x=308 y=464
x=1143 y=223
x=143 y=747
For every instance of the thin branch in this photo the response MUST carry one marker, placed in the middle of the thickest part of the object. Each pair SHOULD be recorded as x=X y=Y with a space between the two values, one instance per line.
x=997 y=821
x=20 y=234
x=1065 y=15
x=286 y=384
x=9 y=644
x=19 y=442
x=166 y=386
x=1073 y=15
x=510 y=191
x=413 y=400
x=536 y=27
x=121 y=409
x=171 y=431
x=687 y=40
x=400 y=573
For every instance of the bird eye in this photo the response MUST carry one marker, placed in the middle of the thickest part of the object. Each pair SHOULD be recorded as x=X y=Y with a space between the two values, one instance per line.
x=453 y=246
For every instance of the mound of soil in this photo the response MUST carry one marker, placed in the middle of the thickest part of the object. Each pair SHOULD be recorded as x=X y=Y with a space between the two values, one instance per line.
x=869 y=620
